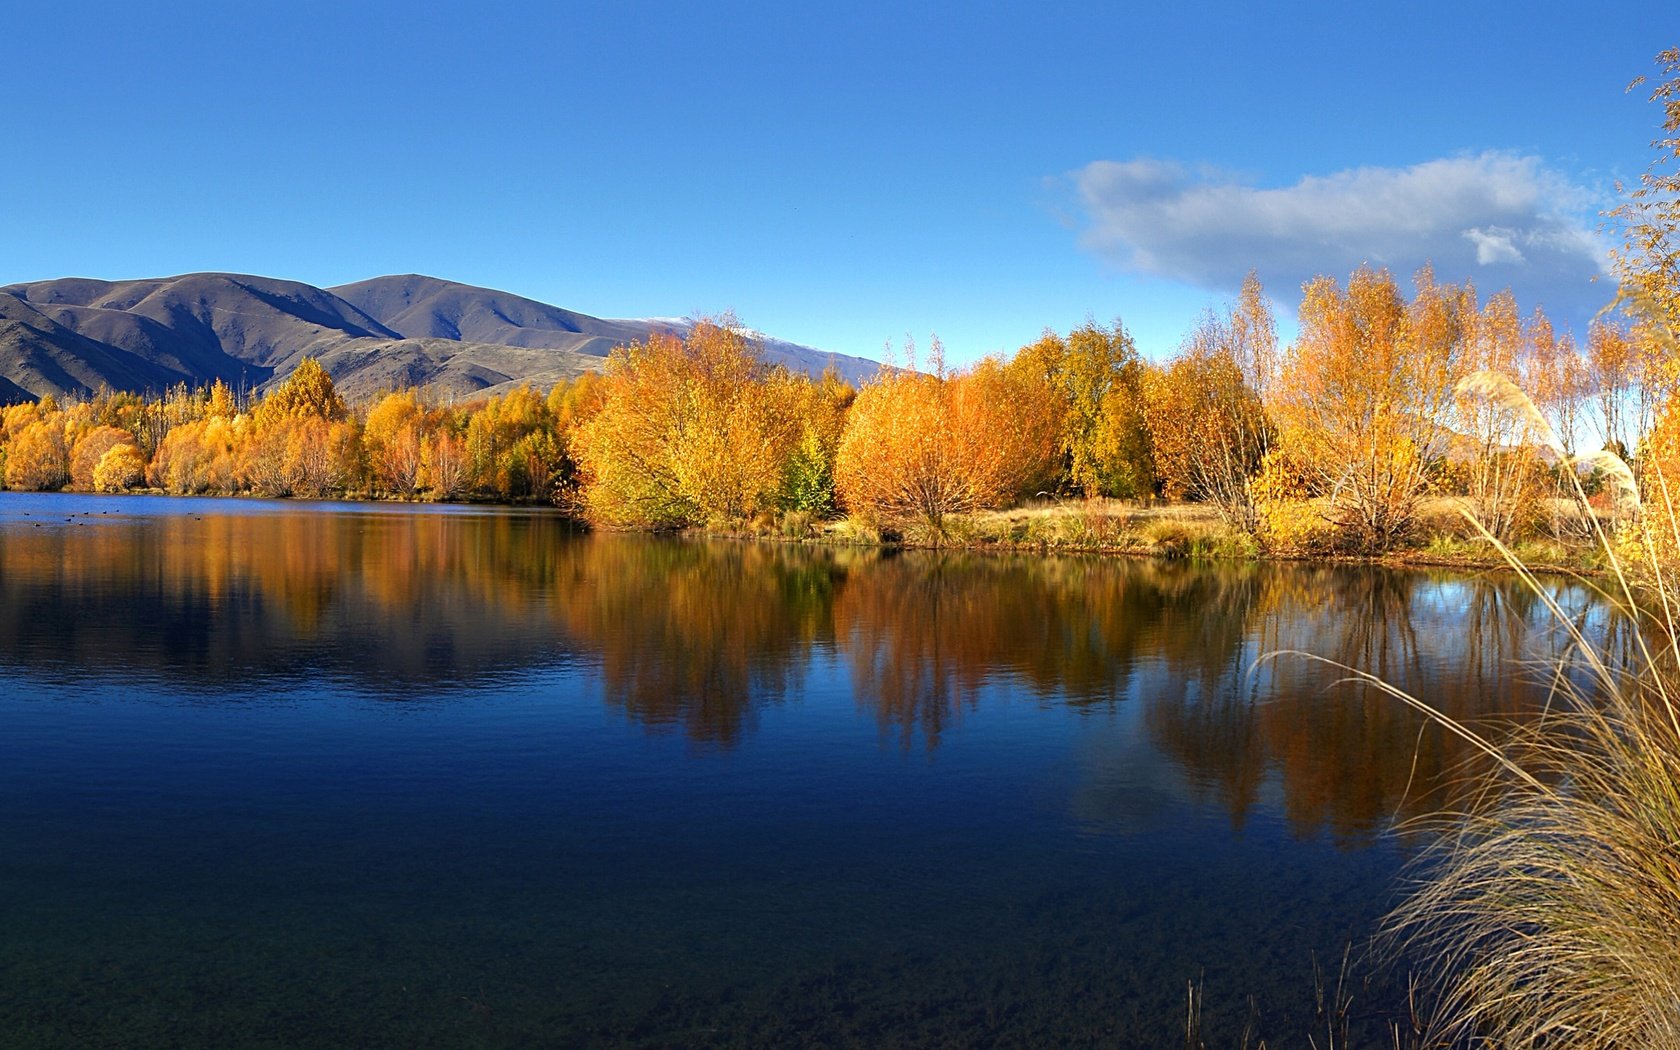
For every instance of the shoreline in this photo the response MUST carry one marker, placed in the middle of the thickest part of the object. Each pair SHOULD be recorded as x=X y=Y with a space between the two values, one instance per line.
x=1159 y=531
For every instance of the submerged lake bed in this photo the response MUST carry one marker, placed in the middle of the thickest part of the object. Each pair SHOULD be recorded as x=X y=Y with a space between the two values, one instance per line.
x=277 y=773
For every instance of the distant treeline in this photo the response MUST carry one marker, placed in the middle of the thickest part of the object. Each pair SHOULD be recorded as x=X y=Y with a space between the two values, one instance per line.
x=1335 y=441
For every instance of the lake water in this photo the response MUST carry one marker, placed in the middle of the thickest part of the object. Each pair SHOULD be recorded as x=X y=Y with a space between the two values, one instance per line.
x=282 y=774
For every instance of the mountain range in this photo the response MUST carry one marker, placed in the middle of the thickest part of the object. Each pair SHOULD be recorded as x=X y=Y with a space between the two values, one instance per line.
x=74 y=335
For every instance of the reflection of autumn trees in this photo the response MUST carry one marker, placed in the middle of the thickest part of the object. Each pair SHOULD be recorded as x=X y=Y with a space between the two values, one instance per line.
x=926 y=635
x=925 y=632
x=392 y=599
x=1348 y=757
x=697 y=635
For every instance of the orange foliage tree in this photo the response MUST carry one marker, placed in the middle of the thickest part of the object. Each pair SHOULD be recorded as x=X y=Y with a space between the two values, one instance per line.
x=1093 y=381
x=689 y=431
x=1364 y=396
x=919 y=448
x=1208 y=430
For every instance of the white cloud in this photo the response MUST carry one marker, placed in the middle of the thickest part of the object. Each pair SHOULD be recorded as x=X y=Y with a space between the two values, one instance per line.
x=1494 y=246
x=1495 y=218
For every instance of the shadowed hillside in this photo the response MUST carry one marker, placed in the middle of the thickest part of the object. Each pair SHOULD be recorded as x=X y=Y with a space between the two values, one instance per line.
x=74 y=335
x=419 y=307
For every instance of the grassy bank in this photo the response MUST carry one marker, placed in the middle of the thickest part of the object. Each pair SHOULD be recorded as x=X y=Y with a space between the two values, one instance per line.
x=1444 y=537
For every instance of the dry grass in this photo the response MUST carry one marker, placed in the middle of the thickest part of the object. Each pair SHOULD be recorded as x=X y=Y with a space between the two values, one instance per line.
x=1113 y=526
x=1551 y=907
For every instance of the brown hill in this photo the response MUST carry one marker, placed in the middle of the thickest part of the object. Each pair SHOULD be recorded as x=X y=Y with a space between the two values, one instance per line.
x=74 y=335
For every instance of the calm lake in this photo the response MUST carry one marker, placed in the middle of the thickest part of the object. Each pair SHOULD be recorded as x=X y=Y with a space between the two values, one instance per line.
x=282 y=774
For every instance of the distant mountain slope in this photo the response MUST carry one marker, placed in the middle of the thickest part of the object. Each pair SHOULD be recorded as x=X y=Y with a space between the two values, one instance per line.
x=74 y=335
x=258 y=320
x=40 y=355
x=420 y=307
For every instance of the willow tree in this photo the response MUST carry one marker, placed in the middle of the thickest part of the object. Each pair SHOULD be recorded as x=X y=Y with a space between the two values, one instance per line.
x=1094 y=382
x=919 y=448
x=1209 y=431
x=689 y=431
x=1365 y=395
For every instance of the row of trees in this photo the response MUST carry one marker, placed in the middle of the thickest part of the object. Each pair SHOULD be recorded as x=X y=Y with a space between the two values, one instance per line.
x=301 y=439
x=1337 y=438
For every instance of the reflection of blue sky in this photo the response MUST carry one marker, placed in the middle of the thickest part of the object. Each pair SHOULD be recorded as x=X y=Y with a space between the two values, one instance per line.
x=1126 y=786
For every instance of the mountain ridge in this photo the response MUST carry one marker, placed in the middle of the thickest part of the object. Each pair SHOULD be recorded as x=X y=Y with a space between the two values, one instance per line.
x=70 y=336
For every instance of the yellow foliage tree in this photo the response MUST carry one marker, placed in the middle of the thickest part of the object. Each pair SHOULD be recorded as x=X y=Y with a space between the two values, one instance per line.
x=689 y=431
x=808 y=476
x=511 y=450
x=393 y=436
x=120 y=468
x=197 y=457
x=89 y=449
x=307 y=392
x=1094 y=380
x=37 y=457
x=919 y=448
x=1364 y=396
x=443 y=463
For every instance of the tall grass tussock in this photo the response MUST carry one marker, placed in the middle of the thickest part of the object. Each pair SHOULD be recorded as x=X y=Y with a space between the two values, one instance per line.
x=1549 y=907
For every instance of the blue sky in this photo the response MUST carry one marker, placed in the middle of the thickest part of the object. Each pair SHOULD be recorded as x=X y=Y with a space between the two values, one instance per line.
x=838 y=174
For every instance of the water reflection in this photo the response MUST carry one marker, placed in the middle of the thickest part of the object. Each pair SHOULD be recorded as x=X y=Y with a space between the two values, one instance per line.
x=223 y=593
x=699 y=637
x=695 y=636
x=1351 y=758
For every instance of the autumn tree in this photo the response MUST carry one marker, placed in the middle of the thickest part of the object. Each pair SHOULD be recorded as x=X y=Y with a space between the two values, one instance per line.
x=119 y=469
x=511 y=449
x=89 y=449
x=1614 y=372
x=689 y=431
x=820 y=407
x=1251 y=335
x=1094 y=380
x=1648 y=261
x=1365 y=393
x=919 y=448
x=322 y=457
x=197 y=457
x=307 y=392
x=443 y=463
x=37 y=455
x=1495 y=448
x=393 y=435
x=1207 y=427
x=1557 y=378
